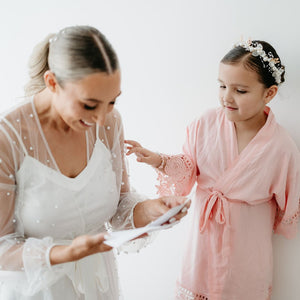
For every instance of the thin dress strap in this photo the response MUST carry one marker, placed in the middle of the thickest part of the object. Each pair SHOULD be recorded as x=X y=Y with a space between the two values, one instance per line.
x=87 y=147
x=97 y=132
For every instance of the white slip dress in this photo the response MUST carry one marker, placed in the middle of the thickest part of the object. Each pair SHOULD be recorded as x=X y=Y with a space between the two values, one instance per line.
x=51 y=205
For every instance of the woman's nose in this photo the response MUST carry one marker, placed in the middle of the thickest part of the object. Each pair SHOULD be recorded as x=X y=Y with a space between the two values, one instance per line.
x=100 y=117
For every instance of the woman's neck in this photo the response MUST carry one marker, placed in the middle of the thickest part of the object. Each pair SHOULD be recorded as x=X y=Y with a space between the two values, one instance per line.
x=48 y=115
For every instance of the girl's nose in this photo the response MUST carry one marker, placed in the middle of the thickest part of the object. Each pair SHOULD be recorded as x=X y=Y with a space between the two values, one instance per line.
x=227 y=97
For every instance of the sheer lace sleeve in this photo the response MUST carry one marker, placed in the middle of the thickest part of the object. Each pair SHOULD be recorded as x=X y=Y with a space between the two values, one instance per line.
x=123 y=218
x=177 y=173
x=23 y=261
x=10 y=242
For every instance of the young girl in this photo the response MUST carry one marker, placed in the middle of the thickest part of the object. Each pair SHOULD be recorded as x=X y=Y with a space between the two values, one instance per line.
x=247 y=171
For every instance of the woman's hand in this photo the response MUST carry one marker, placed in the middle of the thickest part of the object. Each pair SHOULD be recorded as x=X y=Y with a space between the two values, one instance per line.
x=143 y=155
x=80 y=247
x=149 y=210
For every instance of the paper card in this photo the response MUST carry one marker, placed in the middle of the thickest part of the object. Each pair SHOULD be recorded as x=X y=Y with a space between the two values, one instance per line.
x=117 y=238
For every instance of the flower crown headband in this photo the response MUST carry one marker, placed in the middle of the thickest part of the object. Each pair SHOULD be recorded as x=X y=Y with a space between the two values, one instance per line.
x=256 y=49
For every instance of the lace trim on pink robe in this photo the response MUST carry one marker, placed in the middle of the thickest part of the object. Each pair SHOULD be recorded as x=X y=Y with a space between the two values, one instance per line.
x=175 y=176
x=287 y=221
x=185 y=294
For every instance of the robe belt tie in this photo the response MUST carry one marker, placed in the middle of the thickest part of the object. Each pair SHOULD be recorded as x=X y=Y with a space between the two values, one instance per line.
x=215 y=202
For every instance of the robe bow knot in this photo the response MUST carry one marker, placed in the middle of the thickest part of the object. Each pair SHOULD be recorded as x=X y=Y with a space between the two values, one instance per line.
x=215 y=204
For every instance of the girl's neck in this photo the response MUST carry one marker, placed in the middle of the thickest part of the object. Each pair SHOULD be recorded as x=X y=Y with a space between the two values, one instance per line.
x=251 y=125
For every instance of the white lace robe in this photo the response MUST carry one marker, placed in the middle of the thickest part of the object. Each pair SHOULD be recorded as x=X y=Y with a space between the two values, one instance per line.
x=41 y=207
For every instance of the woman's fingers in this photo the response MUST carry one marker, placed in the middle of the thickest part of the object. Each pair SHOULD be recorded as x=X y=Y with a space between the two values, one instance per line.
x=86 y=245
x=96 y=239
x=172 y=201
x=184 y=211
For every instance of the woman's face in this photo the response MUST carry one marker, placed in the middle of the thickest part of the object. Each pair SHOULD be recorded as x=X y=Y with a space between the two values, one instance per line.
x=241 y=94
x=87 y=101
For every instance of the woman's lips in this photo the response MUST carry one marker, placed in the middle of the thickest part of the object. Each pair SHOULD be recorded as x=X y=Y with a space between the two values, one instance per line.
x=86 y=123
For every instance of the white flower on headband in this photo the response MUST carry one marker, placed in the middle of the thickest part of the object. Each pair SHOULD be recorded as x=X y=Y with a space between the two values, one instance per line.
x=257 y=50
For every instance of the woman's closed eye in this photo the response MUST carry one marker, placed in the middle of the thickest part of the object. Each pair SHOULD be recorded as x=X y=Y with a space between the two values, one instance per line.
x=91 y=107
x=88 y=107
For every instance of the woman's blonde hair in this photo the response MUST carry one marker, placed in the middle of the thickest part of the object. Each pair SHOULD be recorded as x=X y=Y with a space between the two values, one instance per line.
x=71 y=54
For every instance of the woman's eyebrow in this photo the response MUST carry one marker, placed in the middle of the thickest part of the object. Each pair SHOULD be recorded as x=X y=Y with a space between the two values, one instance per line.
x=99 y=100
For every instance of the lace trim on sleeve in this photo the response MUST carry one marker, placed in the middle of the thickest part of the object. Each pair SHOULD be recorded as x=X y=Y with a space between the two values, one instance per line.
x=281 y=218
x=176 y=174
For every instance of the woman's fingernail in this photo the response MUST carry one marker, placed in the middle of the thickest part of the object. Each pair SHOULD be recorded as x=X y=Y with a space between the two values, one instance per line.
x=184 y=210
x=172 y=220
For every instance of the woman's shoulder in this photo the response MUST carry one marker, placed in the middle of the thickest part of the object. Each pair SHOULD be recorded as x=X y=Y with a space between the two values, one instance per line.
x=22 y=109
x=113 y=119
x=16 y=120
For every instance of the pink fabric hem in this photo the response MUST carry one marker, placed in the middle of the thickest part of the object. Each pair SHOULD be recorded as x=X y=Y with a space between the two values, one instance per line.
x=185 y=294
x=287 y=220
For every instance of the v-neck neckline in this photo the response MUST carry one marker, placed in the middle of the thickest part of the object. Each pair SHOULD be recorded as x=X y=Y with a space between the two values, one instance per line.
x=238 y=154
x=41 y=131
x=60 y=174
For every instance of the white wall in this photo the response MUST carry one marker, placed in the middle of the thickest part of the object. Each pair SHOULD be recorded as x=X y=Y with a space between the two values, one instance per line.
x=169 y=52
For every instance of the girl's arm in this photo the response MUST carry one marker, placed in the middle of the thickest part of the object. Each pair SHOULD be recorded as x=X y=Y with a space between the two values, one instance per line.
x=176 y=173
x=134 y=210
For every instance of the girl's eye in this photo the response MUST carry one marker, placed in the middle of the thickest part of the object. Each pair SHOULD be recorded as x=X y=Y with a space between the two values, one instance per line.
x=241 y=92
x=222 y=86
x=89 y=107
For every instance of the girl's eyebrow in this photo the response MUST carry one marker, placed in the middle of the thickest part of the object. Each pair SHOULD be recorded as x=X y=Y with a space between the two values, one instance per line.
x=235 y=84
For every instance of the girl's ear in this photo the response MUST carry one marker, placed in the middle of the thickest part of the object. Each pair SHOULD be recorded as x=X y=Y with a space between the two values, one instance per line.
x=270 y=93
x=50 y=81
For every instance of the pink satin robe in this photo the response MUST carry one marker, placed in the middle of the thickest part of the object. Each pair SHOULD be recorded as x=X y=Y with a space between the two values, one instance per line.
x=240 y=200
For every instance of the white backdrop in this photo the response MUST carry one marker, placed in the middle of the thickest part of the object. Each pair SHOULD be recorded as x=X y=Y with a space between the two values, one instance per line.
x=169 y=52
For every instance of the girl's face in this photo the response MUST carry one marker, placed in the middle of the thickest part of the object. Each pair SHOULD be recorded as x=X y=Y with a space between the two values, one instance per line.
x=241 y=94
x=81 y=104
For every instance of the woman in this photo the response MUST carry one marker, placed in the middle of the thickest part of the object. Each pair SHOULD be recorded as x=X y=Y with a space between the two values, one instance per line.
x=63 y=177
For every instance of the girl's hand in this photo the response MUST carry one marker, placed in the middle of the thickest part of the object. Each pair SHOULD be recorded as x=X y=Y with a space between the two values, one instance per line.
x=143 y=155
x=149 y=210
x=80 y=247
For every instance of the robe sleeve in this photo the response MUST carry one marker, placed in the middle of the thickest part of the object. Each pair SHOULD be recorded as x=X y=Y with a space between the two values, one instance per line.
x=179 y=172
x=287 y=196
